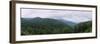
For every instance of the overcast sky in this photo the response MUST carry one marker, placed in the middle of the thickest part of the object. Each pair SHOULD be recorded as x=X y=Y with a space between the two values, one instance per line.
x=69 y=15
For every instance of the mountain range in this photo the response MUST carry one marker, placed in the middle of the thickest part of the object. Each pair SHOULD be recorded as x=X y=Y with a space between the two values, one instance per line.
x=37 y=25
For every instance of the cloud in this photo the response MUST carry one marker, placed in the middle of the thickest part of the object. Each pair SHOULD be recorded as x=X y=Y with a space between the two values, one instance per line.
x=74 y=16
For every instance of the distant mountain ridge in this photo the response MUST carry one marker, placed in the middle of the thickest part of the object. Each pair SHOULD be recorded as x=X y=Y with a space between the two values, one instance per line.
x=39 y=25
x=61 y=20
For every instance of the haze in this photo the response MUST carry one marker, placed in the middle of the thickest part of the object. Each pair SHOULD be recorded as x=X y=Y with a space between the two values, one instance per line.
x=69 y=15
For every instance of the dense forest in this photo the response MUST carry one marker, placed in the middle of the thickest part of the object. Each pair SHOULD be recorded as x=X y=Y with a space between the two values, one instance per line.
x=33 y=26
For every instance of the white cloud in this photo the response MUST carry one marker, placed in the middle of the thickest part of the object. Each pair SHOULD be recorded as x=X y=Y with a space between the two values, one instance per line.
x=74 y=16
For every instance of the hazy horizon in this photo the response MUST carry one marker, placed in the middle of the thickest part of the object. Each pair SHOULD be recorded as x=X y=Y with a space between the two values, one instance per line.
x=74 y=16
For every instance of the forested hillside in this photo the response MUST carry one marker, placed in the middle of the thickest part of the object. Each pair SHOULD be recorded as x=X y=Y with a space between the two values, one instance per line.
x=33 y=26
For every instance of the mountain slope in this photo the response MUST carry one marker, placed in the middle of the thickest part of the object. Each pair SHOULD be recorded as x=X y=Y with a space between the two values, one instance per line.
x=43 y=26
x=32 y=26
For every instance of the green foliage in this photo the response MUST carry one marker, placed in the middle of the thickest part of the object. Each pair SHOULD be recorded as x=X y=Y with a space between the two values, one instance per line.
x=84 y=27
x=33 y=26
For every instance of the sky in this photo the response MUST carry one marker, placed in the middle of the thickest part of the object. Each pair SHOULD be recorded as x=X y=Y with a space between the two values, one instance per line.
x=76 y=16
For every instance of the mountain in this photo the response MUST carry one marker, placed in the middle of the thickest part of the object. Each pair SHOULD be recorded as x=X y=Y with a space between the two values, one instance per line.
x=43 y=26
x=37 y=25
x=70 y=23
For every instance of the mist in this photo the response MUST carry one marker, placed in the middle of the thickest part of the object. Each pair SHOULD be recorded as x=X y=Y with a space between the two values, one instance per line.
x=68 y=15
